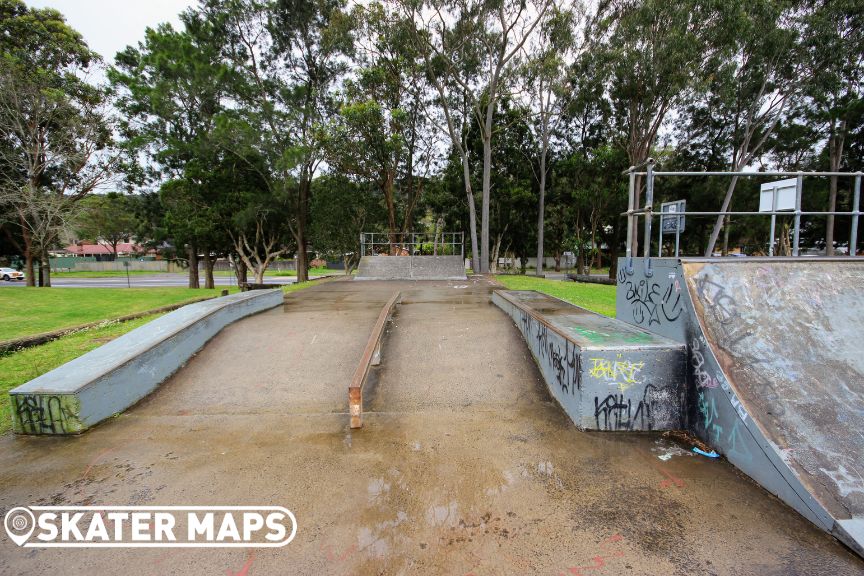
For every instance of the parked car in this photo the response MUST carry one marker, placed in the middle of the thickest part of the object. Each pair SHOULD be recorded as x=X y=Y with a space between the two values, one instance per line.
x=11 y=274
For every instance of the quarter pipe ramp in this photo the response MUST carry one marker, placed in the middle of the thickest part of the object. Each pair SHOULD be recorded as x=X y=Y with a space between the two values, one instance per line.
x=775 y=352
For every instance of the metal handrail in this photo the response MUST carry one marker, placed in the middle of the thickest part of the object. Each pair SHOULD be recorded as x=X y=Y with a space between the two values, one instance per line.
x=411 y=243
x=648 y=212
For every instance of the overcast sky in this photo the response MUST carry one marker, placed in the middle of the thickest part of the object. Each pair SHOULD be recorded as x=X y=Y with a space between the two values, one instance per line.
x=109 y=26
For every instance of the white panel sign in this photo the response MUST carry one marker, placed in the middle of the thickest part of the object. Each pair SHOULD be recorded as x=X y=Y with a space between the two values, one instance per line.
x=777 y=196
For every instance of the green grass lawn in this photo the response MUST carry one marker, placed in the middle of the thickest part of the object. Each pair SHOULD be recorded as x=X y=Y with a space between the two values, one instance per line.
x=30 y=311
x=597 y=297
x=20 y=367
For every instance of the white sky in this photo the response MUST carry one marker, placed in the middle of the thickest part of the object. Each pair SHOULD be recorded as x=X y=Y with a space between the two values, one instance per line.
x=108 y=26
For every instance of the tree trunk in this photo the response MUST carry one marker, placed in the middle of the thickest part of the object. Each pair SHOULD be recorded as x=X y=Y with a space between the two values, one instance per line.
x=208 y=270
x=835 y=155
x=472 y=216
x=637 y=196
x=302 y=215
x=613 y=251
x=484 y=216
x=241 y=272
x=193 y=267
x=259 y=274
x=29 y=270
x=718 y=224
x=496 y=247
x=541 y=217
x=832 y=206
x=45 y=270
x=726 y=227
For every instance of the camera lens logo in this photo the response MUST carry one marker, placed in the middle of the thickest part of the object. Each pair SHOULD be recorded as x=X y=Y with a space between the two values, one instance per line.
x=20 y=524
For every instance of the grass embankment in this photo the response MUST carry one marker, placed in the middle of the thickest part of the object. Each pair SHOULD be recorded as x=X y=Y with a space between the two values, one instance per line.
x=597 y=297
x=19 y=367
x=30 y=311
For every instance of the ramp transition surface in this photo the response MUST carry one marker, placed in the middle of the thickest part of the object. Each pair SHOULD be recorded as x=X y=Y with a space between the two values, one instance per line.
x=775 y=376
x=789 y=338
x=411 y=268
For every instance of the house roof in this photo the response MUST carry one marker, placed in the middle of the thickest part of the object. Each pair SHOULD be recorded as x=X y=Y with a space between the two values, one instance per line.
x=84 y=248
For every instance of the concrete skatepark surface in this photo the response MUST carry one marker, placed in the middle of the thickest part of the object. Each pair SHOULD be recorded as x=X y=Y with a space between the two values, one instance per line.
x=465 y=464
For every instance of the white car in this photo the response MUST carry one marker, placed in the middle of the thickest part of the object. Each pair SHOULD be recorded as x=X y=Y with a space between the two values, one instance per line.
x=11 y=274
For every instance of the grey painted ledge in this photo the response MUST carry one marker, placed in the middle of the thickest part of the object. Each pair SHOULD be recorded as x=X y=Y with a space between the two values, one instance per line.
x=83 y=392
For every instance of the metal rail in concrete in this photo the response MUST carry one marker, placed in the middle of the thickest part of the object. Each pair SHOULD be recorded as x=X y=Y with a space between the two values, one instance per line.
x=371 y=357
x=105 y=381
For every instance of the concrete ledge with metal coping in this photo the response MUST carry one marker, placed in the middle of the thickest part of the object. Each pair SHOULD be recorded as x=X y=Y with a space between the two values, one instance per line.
x=606 y=374
x=83 y=392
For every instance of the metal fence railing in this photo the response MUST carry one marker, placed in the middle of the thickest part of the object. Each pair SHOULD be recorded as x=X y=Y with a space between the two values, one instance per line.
x=412 y=244
x=648 y=212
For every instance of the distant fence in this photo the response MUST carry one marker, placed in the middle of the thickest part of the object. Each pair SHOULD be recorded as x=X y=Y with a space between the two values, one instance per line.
x=82 y=265
x=171 y=266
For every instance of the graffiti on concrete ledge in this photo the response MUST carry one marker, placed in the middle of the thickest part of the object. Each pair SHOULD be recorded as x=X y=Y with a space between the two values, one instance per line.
x=652 y=303
x=621 y=373
x=615 y=412
x=43 y=414
x=565 y=365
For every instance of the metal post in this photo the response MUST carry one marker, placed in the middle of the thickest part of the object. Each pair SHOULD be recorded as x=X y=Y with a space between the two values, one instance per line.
x=799 y=184
x=773 y=220
x=630 y=217
x=677 y=236
x=362 y=244
x=856 y=200
x=773 y=223
x=649 y=201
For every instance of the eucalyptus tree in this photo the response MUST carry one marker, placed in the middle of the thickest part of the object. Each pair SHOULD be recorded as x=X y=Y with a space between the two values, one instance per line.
x=547 y=73
x=653 y=52
x=55 y=132
x=382 y=132
x=473 y=50
x=757 y=86
x=288 y=55
x=834 y=42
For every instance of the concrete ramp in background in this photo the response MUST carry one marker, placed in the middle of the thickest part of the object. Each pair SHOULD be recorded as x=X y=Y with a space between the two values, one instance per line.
x=775 y=370
x=411 y=268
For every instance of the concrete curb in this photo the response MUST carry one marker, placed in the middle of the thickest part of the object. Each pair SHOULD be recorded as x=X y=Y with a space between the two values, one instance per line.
x=105 y=381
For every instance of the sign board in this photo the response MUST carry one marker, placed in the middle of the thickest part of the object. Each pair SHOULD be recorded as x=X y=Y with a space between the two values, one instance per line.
x=777 y=196
x=670 y=224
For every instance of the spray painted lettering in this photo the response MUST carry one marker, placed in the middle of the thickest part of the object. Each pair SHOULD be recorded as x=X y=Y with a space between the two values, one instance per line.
x=619 y=372
x=41 y=414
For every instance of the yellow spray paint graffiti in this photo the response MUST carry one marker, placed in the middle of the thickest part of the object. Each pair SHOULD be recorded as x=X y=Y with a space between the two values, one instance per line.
x=619 y=372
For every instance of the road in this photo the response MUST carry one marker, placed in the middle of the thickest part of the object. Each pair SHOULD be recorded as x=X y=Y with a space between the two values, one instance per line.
x=465 y=464
x=149 y=281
